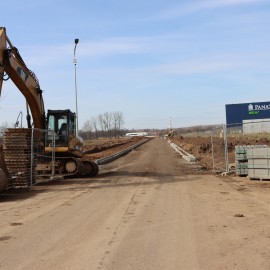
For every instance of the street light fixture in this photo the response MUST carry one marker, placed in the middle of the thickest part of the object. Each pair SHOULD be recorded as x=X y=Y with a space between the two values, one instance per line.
x=75 y=64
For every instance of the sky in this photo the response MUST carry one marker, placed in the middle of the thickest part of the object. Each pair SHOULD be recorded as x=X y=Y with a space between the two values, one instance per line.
x=151 y=60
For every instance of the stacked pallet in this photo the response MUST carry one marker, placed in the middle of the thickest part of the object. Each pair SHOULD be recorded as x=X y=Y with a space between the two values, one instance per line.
x=242 y=158
x=259 y=163
x=18 y=156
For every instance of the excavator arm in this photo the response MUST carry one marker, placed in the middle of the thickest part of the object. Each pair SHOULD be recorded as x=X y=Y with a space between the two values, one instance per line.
x=13 y=66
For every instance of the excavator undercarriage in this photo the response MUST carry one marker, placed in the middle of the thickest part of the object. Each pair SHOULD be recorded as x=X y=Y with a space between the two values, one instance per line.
x=25 y=160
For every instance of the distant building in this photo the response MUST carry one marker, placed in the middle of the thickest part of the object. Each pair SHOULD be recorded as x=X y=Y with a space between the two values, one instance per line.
x=134 y=134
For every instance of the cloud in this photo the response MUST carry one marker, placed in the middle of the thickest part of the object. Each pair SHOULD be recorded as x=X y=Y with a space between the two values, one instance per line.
x=131 y=45
x=204 y=65
x=195 y=67
x=197 y=6
x=29 y=4
x=40 y=55
x=162 y=54
x=111 y=47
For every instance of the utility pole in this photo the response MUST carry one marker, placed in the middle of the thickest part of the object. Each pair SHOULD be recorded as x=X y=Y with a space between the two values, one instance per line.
x=75 y=69
x=170 y=124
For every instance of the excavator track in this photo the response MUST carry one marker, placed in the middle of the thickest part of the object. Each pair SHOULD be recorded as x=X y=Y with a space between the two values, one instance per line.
x=76 y=167
x=68 y=167
x=17 y=153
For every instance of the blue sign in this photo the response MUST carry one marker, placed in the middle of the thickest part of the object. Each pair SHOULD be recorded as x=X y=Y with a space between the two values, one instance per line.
x=236 y=113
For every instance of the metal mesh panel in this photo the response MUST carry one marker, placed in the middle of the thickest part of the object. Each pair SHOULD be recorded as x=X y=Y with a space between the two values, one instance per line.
x=244 y=135
x=18 y=157
x=219 y=154
x=45 y=161
x=24 y=156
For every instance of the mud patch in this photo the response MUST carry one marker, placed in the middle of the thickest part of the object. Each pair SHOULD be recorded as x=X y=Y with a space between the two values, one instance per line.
x=5 y=238
x=16 y=223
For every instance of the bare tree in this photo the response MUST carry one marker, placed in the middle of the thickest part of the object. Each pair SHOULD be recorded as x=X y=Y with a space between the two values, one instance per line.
x=107 y=117
x=87 y=129
x=115 y=124
x=118 y=121
x=101 y=123
x=3 y=127
x=107 y=124
x=94 y=121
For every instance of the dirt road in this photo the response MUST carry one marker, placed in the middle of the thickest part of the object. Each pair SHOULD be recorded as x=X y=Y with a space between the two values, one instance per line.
x=147 y=210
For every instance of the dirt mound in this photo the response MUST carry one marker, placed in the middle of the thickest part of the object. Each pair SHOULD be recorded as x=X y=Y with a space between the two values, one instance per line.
x=97 y=149
x=201 y=147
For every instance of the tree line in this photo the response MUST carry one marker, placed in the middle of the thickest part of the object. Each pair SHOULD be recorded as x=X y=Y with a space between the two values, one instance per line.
x=194 y=129
x=108 y=124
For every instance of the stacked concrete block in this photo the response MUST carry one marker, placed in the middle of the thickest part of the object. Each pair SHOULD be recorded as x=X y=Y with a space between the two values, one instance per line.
x=241 y=161
x=241 y=158
x=259 y=163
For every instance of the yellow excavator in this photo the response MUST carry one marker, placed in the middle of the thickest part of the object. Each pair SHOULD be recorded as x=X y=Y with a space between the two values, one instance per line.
x=54 y=133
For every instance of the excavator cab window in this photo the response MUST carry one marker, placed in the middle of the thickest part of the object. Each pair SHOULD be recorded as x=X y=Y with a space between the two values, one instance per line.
x=62 y=133
x=61 y=127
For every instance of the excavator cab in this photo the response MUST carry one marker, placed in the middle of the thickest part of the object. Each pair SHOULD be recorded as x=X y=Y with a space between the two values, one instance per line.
x=61 y=127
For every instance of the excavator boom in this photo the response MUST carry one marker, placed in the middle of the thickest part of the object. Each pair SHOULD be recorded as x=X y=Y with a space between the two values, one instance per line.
x=13 y=65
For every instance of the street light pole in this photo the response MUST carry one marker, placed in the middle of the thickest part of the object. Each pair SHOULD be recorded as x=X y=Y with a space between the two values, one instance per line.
x=75 y=69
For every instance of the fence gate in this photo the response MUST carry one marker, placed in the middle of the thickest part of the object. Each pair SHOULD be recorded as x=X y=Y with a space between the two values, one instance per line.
x=44 y=162
x=219 y=148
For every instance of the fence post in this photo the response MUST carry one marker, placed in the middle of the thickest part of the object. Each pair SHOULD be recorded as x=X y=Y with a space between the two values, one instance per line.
x=213 y=158
x=226 y=147
x=53 y=155
x=32 y=158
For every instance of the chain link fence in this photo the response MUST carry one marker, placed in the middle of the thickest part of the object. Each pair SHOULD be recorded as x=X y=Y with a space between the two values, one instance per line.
x=219 y=148
x=27 y=162
x=45 y=161
x=225 y=137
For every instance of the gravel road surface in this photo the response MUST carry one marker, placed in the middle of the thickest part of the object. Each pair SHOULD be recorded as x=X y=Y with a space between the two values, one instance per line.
x=147 y=210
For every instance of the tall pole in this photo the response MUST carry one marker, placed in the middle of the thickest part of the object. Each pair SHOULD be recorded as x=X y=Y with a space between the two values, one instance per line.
x=170 y=124
x=75 y=69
